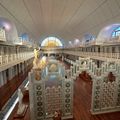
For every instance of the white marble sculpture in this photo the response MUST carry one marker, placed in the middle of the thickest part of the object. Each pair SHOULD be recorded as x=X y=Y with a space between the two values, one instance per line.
x=84 y=65
x=21 y=106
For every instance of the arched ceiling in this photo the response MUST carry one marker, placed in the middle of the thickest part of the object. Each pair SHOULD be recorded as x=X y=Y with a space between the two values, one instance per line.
x=65 y=19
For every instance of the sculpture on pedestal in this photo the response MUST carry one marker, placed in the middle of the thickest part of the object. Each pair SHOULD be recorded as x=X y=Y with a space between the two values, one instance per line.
x=39 y=63
x=84 y=64
x=21 y=106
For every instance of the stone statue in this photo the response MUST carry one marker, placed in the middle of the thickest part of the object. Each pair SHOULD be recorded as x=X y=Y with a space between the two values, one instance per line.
x=84 y=64
x=21 y=106
x=36 y=58
x=39 y=61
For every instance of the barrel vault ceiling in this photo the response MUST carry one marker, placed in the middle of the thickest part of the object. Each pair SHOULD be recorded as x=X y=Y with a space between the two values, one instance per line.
x=65 y=19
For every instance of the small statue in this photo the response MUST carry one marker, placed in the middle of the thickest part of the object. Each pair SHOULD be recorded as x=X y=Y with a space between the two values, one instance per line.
x=84 y=64
x=36 y=59
x=111 y=66
x=21 y=106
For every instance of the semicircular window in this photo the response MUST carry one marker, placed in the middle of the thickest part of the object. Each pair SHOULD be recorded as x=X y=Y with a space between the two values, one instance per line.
x=116 y=32
x=51 y=42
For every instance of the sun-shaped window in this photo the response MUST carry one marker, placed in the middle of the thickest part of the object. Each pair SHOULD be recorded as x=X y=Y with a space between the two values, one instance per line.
x=51 y=42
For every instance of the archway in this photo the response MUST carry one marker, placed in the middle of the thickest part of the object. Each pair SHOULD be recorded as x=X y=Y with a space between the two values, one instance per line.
x=10 y=30
x=106 y=33
x=51 y=42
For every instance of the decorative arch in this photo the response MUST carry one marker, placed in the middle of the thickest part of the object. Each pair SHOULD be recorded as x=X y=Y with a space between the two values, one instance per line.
x=51 y=42
x=10 y=29
x=88 y=38
x=107 y=33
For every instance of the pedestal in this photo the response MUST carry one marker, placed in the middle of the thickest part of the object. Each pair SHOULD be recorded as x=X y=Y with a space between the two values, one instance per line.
x=20 y=116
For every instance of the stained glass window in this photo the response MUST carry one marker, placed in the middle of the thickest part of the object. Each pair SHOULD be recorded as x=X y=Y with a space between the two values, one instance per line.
x=116 y=32
x=51 y=42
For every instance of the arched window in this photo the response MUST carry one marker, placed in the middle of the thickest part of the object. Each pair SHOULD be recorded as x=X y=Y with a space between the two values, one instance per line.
x=51 y=42
x=116 y=32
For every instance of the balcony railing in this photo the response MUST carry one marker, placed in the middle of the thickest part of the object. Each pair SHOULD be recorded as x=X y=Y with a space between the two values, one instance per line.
x=95 y=55
x=6 y=59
